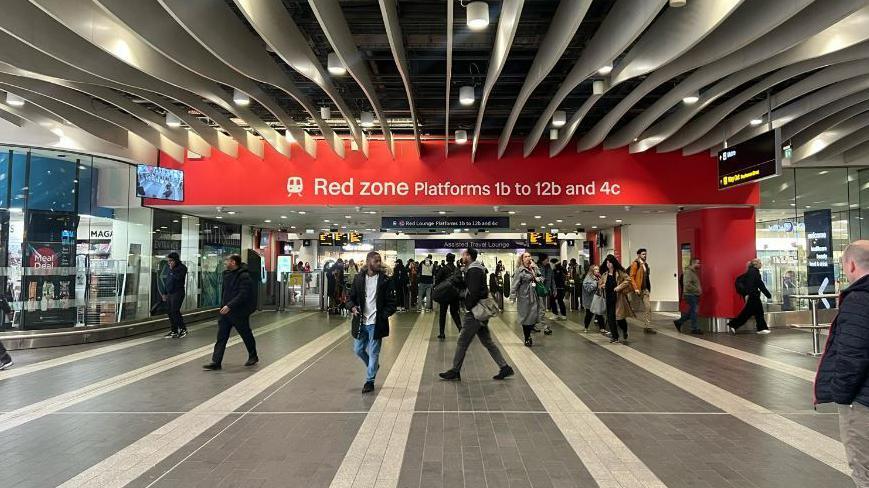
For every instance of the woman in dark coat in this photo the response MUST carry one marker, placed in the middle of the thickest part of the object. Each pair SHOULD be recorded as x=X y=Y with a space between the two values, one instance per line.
x=400 y=278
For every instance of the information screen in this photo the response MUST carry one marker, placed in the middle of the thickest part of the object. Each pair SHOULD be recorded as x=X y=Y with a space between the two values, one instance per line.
x=542 y=240
x=750 y=161
x=354 y=237
x=162 y=183
x=326 y=239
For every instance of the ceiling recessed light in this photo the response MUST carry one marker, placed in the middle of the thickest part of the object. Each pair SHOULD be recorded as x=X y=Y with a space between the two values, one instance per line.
x=594 y=227
x=537 y=217
x=618 y=221
x=326 y=220
x=603 y=216
x=578 y=224
x=512 y=212
x=216 y=217
x=605 y=69
x=292 y=227
x=691 y=99
x=346 y=216
x=559 y=220
x=550 y=224
x=823 y=172
x=302 y=212
x=268 y=221
x=441 y=212
x=522 y=223
x=756 y=121
x=283 y=216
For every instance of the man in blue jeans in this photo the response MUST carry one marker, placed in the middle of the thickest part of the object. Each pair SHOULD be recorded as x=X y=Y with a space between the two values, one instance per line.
x=691 y=291
x=372 y=302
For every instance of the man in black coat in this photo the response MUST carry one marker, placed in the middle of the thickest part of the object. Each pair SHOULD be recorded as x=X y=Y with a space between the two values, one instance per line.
x=176 y=281
x=476 y=290
x=753 y=287
x=444 y=273
x=5 y=358
x=238 y=304
x=372 y=302
x=843 y=373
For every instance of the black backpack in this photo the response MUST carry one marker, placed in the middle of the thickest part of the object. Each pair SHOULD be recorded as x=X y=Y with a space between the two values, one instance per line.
x=741 y=284
x=447 y=290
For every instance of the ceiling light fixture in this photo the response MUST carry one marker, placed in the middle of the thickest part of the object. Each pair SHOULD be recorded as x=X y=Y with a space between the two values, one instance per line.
x=559 y=118
x=605 y=69
x=231 y=212
x=466 y=95
x=335 y=66
x=478 y=15
x=512 y=212
x=302 y=212
x=240 y=98
x=325 y=113
x=14 y=100
x=461 y=136
x=172 y=120
x=442 y=212
x=553 y=134
x=268 y=221
x=598 y=87
x=691 y=99
x=537 y=217
x=367 y=119
x=756 y=121
x=283 y=216
x=678 y=3
x=602 y=216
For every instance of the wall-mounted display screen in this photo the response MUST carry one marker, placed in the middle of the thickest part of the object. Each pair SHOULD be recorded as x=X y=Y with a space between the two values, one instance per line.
x=326 y=239
x=750 y=161
x=542 y=240
x=162 y=183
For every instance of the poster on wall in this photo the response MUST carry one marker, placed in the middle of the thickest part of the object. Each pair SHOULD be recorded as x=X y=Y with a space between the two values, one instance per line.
x=49 y=258
x=820 y=272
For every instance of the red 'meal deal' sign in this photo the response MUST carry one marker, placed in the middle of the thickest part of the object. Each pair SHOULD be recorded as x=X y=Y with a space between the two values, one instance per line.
x=598 y=177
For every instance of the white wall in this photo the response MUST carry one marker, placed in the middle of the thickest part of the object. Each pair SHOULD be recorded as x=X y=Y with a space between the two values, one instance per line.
x=659 y=238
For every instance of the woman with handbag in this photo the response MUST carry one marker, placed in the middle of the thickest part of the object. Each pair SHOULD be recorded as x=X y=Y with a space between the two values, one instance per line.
x=523 y=289
x=616 y=285
x=592 y=299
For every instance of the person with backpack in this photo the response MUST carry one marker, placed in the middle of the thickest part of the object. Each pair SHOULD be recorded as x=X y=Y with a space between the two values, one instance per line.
x=239 y=302
x=426 y=281
x=445 y=274
x=843 y=372
x=477 y=291
x=372 y=302
x=691 y=291
x=750 y=285
x=640 y=274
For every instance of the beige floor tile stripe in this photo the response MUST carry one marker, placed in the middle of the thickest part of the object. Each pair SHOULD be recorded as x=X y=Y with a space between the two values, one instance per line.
x=605 y=456
x=126 y=465
x=56 y=403
x=825 y=449
x=375 y=457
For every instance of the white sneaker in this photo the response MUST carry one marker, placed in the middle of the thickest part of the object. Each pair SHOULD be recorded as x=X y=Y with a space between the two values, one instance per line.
x=764 y=331
x=732 y=330
x=6 y=363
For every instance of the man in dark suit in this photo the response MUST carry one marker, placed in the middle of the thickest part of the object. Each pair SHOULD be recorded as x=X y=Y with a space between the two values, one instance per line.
x=372 y=302
x=238 y=304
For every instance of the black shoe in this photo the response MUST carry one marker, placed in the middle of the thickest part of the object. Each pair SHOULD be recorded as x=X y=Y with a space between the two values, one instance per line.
x=547 y=332
x=170 y=335
x=649 y=330
x=6 y=362
x=451 y=375
x=368 y=387
x=252 y=361
x=181 y=334
x=212 y=367
x=441 y=336
x=503 y=373
x=697 y=332
x=678 y=325
x=613 y=341
x=535 y=329
x=529 y=342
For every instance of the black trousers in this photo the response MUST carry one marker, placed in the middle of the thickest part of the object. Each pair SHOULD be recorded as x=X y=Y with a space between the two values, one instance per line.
x=3 y=353
x=753 y=308
x=174 y=302
x=556 y=304
x=400 y=295
x=224 y=327
x=454 y=313
x=597 y=318
x=614 y=324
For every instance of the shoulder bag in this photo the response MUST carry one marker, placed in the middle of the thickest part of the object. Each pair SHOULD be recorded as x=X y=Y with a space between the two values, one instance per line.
x=485 y=309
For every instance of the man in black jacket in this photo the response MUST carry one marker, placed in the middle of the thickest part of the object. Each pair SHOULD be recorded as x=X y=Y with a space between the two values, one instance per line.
x=372 y=302
x=843 y=373
x=476 y=288
x=753 y=287
x=445 y=272
x=238 y=303
x=174 y=296
x=5 y=358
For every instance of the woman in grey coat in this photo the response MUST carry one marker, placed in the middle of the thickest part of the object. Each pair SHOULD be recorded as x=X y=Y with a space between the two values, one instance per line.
x=523 y=290
x=590 y=288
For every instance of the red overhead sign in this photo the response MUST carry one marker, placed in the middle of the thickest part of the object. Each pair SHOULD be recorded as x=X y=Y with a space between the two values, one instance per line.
x=598 y=177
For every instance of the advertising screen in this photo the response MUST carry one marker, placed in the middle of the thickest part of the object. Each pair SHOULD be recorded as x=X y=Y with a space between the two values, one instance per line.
x=162 y=183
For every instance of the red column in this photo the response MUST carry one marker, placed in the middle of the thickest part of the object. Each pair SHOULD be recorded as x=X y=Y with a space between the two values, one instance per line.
x=617 y=242
x=723 y=239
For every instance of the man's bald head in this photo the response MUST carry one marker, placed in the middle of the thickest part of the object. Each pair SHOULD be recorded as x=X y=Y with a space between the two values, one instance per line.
x=855 y=260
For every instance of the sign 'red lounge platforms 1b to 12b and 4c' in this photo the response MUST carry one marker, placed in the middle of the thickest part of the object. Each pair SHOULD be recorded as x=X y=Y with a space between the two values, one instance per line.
x=750 y=161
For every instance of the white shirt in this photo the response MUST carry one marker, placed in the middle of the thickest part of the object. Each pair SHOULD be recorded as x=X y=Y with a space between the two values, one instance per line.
x=427 y=268
x=370 y=312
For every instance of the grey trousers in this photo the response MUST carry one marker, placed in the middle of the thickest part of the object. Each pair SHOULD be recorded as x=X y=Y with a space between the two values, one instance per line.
x=854 y=430
x=472 y=327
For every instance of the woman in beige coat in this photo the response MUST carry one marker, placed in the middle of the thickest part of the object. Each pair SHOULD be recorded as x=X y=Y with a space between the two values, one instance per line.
x=616 y=285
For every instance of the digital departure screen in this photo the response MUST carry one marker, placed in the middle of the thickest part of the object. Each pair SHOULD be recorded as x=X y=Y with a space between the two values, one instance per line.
x=750 y=161
x=354 y=238
x=326 y=239
x=542 y=240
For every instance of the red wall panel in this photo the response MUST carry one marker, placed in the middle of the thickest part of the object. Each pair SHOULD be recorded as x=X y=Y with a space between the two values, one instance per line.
x=724 y=240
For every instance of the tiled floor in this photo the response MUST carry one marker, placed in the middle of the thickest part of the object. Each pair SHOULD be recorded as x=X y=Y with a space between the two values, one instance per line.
x=665 y=410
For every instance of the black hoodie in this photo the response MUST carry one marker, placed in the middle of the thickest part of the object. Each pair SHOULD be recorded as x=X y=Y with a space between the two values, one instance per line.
x=238 y=292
